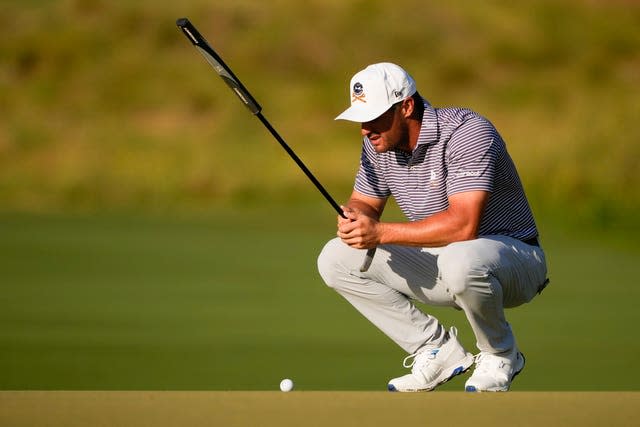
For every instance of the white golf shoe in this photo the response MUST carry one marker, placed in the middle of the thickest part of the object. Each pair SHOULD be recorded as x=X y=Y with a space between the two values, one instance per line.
x=431 y=366
x=495 y=372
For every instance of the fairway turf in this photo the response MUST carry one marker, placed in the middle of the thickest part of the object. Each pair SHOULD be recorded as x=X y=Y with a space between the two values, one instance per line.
x=317 y=409
x=233 y=302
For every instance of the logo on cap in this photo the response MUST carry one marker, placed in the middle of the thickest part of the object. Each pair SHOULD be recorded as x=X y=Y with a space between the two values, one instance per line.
x=397 y=93
x=358 y=93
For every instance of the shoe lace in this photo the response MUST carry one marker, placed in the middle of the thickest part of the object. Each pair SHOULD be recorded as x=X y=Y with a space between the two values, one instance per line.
x=486 y=362
x=422 y=358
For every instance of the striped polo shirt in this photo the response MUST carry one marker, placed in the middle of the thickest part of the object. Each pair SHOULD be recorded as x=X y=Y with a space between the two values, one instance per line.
x=458 y=150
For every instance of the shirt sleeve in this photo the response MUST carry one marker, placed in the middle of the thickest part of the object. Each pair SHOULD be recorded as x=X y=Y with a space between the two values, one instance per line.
x=472 y=154
x=370 y=177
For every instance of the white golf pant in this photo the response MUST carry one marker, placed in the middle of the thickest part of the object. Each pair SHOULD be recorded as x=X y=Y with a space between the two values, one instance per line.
x=482 y=277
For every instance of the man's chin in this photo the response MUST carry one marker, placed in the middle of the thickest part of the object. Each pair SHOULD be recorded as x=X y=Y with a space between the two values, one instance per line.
x=379 y=148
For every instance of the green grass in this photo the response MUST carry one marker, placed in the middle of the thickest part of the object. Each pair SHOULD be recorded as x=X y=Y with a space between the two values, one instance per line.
x=232 y=301
x=106 y=105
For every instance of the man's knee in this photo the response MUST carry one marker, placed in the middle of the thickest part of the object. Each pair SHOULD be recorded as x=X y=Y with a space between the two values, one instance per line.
x=330 y=262
x=461 y=268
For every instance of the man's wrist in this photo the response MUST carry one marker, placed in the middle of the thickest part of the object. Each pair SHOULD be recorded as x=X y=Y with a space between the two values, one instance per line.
x=382 y=231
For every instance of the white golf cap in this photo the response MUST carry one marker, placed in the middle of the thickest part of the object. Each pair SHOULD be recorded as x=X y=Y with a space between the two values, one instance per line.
x=375 y=89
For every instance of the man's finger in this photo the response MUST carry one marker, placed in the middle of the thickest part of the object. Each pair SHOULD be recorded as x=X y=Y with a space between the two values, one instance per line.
x=349 y=212
x=346 y=227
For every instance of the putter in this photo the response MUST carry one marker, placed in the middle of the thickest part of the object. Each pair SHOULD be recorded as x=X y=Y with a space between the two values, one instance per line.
x=249 y=101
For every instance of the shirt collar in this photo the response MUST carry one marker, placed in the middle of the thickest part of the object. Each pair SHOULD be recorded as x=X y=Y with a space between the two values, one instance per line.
x=429 y=129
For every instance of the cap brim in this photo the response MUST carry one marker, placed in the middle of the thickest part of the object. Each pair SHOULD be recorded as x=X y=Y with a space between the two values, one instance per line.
x=362 y=114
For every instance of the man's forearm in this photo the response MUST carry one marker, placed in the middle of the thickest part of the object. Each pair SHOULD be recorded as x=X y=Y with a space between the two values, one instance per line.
x=439 y=230
x=461 y=221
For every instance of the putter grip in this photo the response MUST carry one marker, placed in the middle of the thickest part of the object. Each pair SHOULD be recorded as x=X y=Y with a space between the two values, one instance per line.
x=368 y=258
x=218 y=65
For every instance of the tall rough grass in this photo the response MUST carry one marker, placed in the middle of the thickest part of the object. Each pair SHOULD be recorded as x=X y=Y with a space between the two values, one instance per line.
x=105 y=105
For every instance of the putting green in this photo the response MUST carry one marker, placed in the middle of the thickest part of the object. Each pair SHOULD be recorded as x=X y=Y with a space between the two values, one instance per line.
x=311 y=408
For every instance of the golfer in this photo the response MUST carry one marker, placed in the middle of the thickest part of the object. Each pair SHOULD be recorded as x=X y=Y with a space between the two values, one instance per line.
x=470 y=241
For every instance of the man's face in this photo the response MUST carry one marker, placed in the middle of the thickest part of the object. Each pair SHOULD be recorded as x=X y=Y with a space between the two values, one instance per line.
x=388 y=132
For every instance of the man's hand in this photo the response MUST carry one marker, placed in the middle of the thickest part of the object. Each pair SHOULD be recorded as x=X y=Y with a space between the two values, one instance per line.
x=357 y=229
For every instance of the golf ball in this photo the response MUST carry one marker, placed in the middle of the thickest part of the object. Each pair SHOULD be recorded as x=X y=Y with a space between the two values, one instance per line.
x=286 y=385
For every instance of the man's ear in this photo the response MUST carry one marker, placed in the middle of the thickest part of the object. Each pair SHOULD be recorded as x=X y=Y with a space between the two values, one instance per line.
x=408 y=105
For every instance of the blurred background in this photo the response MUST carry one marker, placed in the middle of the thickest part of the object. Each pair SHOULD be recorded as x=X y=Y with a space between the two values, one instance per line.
x=154 y=235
